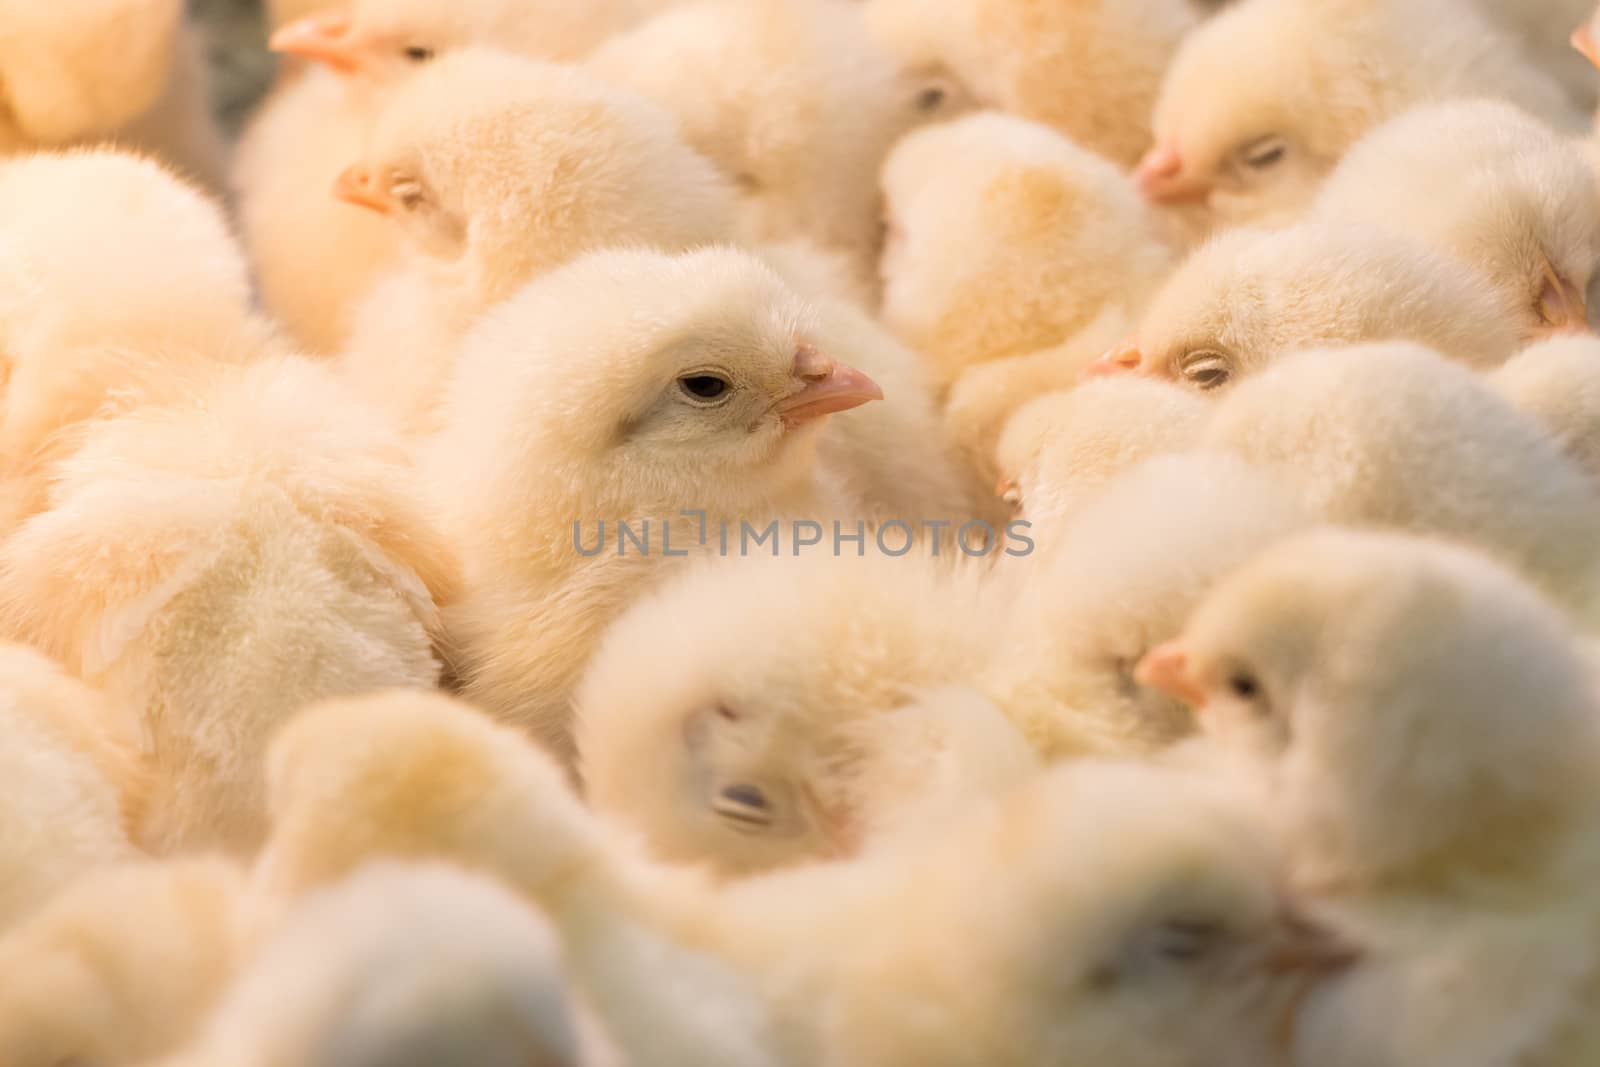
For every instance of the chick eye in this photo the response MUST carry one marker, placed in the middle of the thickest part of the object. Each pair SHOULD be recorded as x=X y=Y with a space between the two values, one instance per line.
x=1206 y=370
x=931 y=98
x=1187 y=940
x=1244 y=685
x=1264 y=153
x=703 y=386
x=408 y=191
x=745 y=806
x=418 y=53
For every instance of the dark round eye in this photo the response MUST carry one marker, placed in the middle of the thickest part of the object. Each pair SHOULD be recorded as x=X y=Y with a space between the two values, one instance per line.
x=418 y=53
x=704 y=386
x=930 y=99
x=1244 y=686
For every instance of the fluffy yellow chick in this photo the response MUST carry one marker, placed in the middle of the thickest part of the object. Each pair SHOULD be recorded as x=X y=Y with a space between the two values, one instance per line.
x=1249 y=297
x=790 y=98
x=1006 y=238
x=123 y=965
x=1486 y=183
x=399 y=966
x=1557 y=383
x=1090 y=68
x=1139 y=919
x=74 y=782
x=1427 y=729
x=1264 y=98
x=215 y=565
x=628 y=387
x=1397 y=436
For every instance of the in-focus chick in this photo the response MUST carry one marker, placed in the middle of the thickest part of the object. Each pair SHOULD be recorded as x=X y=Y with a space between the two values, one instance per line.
x=73 y=782
x=1557 y=384
x=217 y=563
x=399 y=967
x=1249 y=297
x=1486 y=183
x=790 y=98
x=1426 y=728
x=1397 y=436
x=1090 y=68
x=123 y=965
x=1264 y=98
x=495 y=169
x=1006 y=238
x=628 y=387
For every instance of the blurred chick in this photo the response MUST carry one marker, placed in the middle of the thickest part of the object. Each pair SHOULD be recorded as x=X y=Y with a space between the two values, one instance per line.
x=399 y=967
x=494 y=170
x=1249 y=297
x=122 y=966
x=1006 y=238
x=1557 y=384
x=1090 y=68
x=790 y=98
x=628 y=387
x=1486 y=183
x=1544 y=29
x=1427 y=729
x=1264 y=98
x=217 y=563
x=1394 y=435
x=73 y=782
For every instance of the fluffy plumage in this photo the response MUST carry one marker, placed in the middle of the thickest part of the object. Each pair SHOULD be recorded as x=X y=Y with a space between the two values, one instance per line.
x=1557 y=383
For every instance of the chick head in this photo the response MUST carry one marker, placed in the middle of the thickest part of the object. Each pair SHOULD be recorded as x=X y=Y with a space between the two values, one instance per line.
x=1415 y=709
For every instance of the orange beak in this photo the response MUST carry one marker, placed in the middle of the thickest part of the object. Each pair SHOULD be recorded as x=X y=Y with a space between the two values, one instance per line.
x=1562 y=308
x=1160 y=176
x=1124 y=359
x=1166 y=668
x=327 y=38
x=1583 y=41
x=1010 y=492
x=828 y=387
x=357 y=185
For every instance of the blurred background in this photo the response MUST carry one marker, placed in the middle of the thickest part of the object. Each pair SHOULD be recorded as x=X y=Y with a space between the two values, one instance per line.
x=236 y=38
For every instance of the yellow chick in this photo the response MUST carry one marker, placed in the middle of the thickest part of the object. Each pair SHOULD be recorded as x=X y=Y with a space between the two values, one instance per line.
x=1397 y=436
x=1249 y=297
x=1557 y=384
x=790 y=98
x=1427 y=729
x=216 y=564
x=123 y=965
x=1263 y=99
x=1495 y=188
x=1090 y=68
x=1006 y=238
x=74 y=782
x=629 y=387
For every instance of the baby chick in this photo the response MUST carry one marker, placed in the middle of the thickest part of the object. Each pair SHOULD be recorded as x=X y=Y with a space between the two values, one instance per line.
x=1394 y=435
x=1248 y=297
x=122 y=966
x=1264 y=98
x=683 y=392
x=217 y=563
x=1486 y=183
x=1557 y=384
x=399 y=967
x=1090 y=68
x=1006 y=238
x=73 y=782
x=1427 y=728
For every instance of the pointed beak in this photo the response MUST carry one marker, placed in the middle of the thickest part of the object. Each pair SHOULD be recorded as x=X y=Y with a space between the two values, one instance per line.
x=1160 y=177
x=327 y=38
x=1562 y=308
x=357 y=185
x=827 y=387
x=1166 y=668
x=1124 y=359
x=1302 y=946
x=1583 y=40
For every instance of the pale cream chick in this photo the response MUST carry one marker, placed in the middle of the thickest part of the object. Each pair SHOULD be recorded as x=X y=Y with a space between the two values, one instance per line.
x=1249 y=297
x=74 y=783
x=1090 y=68
x=1426 y=728
x=1491 y=186
x=399 y=966
x=1006 y=238
x=122 y=966
x=628 y=387
x=1263 y=99
x=217 y=563
x=790 y=98
x=1557 y=383
x=494 y=170
x=1397 y=436
x=1140 y=918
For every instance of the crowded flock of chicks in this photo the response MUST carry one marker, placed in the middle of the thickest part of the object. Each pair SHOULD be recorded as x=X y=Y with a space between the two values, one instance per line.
x=1172 y=431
